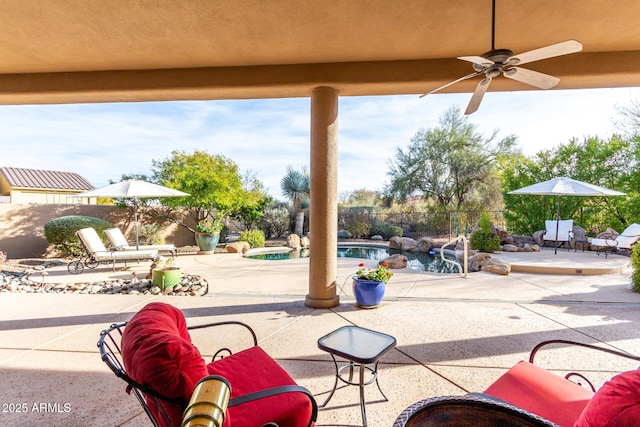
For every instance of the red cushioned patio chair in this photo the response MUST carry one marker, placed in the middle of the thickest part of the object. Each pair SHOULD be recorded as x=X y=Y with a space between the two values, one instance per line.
x=154 y=355
x=528 y=395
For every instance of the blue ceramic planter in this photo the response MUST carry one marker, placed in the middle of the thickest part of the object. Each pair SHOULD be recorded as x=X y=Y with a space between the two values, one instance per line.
x=368 y=293
x=207 y=242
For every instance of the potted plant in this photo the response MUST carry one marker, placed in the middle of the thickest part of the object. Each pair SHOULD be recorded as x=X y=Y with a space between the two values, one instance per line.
x=208 y=234
x=369 y=284
x=166 y=274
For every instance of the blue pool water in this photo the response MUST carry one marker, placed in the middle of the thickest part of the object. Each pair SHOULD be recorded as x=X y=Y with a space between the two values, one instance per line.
x=420 y=261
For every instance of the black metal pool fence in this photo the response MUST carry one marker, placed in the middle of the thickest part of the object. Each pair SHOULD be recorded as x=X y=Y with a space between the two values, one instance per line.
x=441 y=226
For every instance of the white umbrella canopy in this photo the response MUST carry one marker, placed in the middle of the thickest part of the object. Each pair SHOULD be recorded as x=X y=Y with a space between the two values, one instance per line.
x=134 y=189
x=564 y=186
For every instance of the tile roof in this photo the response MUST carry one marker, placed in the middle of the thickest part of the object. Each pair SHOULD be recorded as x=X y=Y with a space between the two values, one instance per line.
x=44 y=179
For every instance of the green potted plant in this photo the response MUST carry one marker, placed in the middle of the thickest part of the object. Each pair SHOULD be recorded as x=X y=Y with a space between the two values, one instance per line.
x=166 y=274
x=369 y=284
x=208 y=234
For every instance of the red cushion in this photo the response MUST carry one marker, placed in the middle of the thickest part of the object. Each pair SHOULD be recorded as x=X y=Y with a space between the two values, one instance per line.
x=157 y=351
x=541 y=392
x=253 y=370
x=615 y=404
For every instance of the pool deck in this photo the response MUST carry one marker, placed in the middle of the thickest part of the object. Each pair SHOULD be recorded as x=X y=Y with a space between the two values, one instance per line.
x=454 y=334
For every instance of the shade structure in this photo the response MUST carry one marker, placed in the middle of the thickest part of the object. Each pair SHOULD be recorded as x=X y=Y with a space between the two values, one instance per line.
x=564 y=186
x=134 y=189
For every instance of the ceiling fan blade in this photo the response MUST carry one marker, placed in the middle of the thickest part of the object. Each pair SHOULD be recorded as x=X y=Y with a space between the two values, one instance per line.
x=477 y=60
x=558 y=49
x=468 y=76
x=533 y=78
x=477 y=96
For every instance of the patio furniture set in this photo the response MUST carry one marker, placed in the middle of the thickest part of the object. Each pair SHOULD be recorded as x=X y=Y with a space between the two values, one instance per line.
x=94 y=251
x=154 y=355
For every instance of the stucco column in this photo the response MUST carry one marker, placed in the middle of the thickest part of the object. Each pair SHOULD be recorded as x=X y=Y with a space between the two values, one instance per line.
x=323 y=207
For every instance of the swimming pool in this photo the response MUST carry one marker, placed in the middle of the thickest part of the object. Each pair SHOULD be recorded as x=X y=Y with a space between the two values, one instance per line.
x=416 y=261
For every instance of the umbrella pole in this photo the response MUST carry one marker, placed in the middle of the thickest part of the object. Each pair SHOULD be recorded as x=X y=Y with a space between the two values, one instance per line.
x=135 y=222
x=557 y=228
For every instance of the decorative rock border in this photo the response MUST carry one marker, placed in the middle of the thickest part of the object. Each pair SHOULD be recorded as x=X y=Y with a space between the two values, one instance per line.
x=16 y=282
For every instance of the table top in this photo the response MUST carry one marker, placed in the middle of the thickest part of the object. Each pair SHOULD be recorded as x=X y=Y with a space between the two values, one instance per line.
x=357 y=344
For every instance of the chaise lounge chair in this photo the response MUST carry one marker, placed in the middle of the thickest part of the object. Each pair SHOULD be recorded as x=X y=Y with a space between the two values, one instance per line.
x=528 y=395
x=119 y=243
x=153 y=353
x=629 y=237
x=564 y=233
x=94 y=252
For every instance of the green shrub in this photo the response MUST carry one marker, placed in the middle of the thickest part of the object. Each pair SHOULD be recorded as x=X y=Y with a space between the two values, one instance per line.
x=255 y=238
x=358 y=228
x=391 y=231
x=275 y=221
x=61 y=232
x=635 y=263
x=484 y=222
x=485 y=241
x=377 y=227
x=148 y=234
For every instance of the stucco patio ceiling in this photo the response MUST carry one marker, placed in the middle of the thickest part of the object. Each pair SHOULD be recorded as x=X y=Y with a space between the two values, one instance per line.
x=124 y=50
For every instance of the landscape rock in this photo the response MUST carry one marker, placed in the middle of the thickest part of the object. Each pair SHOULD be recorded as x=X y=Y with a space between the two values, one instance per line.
x=21 y=283
x=293 y=241
x=239 y=247
x=396 y=261
x=537 y=237
x=305 y=242
x=496 y=266
x=509 y=248
x=402 y=243
x=476 y=261
x=425 y=244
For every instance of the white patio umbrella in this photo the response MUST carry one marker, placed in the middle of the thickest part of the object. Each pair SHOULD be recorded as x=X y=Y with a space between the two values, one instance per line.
x=563 y=186
x=134 y=189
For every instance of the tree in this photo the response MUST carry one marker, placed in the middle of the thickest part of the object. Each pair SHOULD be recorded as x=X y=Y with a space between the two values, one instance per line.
x=212 y=181
x=446 y=163
x=296 y=187
x=629 y=122
x=249 y=214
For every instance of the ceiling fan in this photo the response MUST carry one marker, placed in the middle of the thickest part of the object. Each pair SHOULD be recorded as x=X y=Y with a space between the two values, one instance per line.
x=502 y=61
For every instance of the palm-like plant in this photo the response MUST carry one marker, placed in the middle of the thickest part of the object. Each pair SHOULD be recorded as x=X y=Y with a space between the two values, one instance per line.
x=296 y=187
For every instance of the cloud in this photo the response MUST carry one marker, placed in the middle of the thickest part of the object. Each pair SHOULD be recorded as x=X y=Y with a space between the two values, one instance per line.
x=104 y=141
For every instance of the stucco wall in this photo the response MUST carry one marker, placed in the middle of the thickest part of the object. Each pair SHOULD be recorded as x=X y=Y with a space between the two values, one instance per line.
x=22 y=226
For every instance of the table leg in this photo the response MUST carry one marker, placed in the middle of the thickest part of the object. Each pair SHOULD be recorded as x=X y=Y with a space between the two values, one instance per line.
x=335 y=384
x=378 y=384
x=362 y=407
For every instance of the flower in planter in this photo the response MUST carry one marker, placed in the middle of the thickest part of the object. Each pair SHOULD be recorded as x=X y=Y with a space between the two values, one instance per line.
x=380 y=274
x=164 y=264
x=211 y=227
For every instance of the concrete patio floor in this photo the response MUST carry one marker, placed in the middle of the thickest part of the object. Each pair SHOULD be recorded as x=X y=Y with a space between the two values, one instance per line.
x=454 y=334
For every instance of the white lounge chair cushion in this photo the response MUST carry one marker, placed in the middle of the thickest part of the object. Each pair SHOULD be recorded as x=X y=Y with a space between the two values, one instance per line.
x=629 y=236
x=119 y=243
x=565 y=229
x=94 y=245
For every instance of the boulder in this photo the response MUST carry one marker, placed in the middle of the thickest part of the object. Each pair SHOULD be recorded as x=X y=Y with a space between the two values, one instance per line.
x=293 y=241
x=537 y=237
x=402 y=243
x=396 y=261
x=509 y=248
x=305 y=242
x=496 y=266
x=395 y=243
x=239 y=247
x=477 y=260
x=609 y=233
x=425 y=244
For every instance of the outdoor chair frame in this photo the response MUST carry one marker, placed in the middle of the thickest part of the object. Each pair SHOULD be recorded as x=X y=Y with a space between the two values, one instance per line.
x=118 y=242
x=629 y=237
x=484 y=410
x=94 y=252
x=109 y=345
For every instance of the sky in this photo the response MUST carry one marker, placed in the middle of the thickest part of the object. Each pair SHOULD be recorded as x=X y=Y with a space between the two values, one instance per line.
x=102 y=142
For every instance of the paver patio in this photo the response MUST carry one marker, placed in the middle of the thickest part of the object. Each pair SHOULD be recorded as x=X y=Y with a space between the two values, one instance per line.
x=453 y=334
